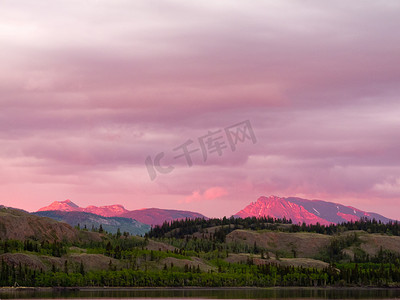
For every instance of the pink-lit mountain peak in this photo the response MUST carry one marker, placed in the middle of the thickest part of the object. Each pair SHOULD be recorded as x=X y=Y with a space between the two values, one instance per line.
x=303 y=210
x=106 y=211
x=278 y=207
x=68 y=202
x=66 y=205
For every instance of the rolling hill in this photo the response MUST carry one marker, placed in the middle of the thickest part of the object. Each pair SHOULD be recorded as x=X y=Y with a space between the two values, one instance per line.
x=17 y=224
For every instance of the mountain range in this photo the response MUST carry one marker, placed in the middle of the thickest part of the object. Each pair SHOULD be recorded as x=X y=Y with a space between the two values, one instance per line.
x=68 y=205
x=149 y=216
x=116 y=216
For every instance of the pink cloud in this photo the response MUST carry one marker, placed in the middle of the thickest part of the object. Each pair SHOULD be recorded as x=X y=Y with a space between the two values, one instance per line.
x=213 y=193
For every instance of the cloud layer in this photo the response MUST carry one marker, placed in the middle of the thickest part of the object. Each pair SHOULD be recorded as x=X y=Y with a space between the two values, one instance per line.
x=89 y=90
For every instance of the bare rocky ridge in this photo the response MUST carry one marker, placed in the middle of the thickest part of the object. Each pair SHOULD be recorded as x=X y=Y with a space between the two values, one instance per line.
x=307 y=211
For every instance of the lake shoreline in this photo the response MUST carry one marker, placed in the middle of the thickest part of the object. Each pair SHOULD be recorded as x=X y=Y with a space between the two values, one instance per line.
x=189 y=288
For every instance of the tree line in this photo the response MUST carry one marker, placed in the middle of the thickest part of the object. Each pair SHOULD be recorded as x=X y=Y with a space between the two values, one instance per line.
x=181 y=228
x=228 y=275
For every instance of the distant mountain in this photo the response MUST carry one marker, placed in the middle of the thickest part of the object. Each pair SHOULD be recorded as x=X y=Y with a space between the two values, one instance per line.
x=16 y=224
x=68 y=205
x=307 y=211
x=150 y=216
x=109 y=224
x=106 y=211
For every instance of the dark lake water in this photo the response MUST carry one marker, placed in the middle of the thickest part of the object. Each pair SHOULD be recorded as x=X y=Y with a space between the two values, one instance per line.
x=225 y=293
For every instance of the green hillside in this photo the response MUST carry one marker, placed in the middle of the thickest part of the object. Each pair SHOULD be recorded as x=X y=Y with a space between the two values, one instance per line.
x=216 y=252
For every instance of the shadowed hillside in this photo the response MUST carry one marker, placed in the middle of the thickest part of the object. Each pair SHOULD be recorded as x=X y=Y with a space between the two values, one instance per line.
x=89 y=221
x=19 y=225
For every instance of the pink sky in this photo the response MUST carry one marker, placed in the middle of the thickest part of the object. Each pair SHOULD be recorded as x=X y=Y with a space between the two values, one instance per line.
x=89 y=89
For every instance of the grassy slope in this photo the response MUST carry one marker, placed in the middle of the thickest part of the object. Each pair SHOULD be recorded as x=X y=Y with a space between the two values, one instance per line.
x=20 y=225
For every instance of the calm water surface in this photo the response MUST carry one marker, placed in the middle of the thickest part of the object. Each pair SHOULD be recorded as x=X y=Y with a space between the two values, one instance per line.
x=191 y=294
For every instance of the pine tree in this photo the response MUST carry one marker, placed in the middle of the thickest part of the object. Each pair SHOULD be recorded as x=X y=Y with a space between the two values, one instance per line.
x=66 y=267
x=82 y=269
x=109 y=249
